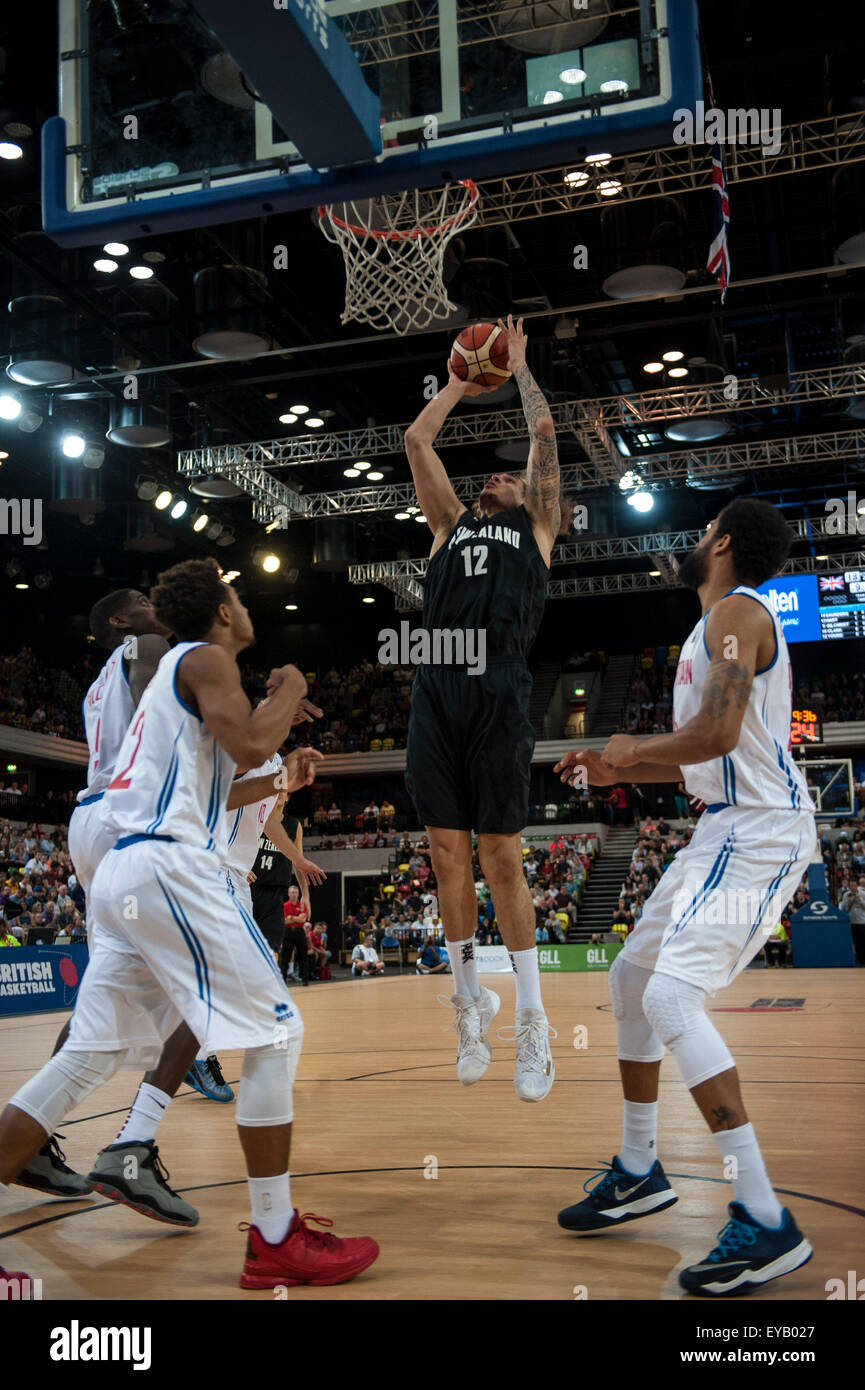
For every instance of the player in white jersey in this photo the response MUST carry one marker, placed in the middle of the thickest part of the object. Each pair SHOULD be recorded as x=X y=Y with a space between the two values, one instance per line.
x=124 y=623
x=718 y=900
x=170 y=943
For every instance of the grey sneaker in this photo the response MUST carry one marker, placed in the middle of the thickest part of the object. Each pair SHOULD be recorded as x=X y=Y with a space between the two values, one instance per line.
x=134 y=1174
x=48 y=1172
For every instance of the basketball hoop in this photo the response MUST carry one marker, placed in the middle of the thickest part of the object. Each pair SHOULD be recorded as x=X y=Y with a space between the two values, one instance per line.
x=393 y=248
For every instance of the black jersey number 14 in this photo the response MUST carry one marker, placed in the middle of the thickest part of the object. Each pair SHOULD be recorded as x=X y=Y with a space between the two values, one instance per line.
x=480 y=559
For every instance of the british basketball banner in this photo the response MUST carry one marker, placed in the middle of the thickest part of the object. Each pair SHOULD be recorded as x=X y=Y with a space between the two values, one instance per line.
x=36 y=978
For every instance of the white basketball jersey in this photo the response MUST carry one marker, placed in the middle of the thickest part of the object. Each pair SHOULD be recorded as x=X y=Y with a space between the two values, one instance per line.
x=107 y=709
x=760 y=772
x=172 y=777
x=246 y=824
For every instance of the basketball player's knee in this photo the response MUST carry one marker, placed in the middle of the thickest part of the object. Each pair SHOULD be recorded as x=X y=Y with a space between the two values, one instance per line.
x=450 y=862
x=676 y=1011
x=501 y=861
x=266 y=1094
x=636 y=1040
x=64 y=1082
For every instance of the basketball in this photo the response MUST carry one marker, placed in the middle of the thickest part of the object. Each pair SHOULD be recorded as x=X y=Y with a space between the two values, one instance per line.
x=480 y=353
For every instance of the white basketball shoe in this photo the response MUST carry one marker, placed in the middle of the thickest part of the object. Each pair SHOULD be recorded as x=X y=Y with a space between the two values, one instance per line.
x=473 y=1018
x=534 y=1068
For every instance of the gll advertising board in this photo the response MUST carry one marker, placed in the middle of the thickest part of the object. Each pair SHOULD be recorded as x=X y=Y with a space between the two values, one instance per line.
x=494 y=960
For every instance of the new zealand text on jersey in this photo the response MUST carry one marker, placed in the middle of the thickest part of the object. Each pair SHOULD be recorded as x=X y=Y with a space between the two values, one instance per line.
x=489 y=531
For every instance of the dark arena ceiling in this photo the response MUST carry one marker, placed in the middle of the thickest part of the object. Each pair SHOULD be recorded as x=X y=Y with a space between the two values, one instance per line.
x=794 y=319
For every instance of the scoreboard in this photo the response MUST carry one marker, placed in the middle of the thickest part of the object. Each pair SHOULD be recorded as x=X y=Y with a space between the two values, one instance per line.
x=819 y=607
x=805 y=727
x=842 y=604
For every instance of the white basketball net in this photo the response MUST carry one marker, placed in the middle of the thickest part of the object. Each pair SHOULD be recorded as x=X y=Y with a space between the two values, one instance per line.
x=393 y=248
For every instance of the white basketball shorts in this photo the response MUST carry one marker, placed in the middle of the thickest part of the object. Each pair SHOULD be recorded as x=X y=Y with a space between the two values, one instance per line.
x=172 y=943
x=89 y=841
x=722 y=895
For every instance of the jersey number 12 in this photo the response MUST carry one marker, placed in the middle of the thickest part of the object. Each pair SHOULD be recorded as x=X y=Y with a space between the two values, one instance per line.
x=480 y=554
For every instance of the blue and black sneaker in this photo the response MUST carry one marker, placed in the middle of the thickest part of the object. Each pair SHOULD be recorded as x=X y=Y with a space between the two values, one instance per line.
x=206 y=1077
x=618 y=1196
x=747 y=1255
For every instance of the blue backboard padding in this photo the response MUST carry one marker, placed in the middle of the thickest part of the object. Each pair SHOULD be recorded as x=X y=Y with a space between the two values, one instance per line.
x=430 y=166
x=314 y=89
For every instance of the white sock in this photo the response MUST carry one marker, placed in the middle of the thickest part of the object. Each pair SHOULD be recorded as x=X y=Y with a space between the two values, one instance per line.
x=272 y=1212
x=528 y=977
x=751 y=1184
x=464 y=967
x=639 y=1136
x=143 y=1120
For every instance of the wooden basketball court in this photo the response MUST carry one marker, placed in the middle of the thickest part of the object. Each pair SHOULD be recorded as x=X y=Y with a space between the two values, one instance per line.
x=377 y=1106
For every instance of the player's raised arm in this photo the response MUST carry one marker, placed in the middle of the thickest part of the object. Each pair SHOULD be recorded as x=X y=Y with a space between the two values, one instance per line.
x=439 y=502
x=542 y=473
x=212 y=677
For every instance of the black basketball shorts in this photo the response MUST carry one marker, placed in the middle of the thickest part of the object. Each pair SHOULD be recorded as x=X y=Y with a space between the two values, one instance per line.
x=268 y=907
x=470 y=745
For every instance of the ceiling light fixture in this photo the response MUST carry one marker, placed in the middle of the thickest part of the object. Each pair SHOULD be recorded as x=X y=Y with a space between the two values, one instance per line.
x=73 y=445
x=362 y=464
x=299 y=409
x=289 y=418
x=351 y=473
x=179 y=508
x=575 y=178
x=653 y=367
x=608 y=188
x=598 y=158
x=141 y=272
x=105 y=266
x=614 y=84
x=375 y=477
x=673 y=355
x=9 y=150
x=199 y=520
x=314 y=422
x=162 y=500
x=551 y=97
x=291 y=608
x=116 y=248
x=10 y=407
x=678 y=371
x=573 y=76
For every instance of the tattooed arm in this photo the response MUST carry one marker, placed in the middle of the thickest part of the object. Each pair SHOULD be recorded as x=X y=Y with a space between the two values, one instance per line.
x=542 y=487
x=740 y=637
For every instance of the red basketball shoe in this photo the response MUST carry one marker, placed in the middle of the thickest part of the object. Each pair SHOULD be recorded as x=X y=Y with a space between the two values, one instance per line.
x=14 y=1284
x=305 y=1256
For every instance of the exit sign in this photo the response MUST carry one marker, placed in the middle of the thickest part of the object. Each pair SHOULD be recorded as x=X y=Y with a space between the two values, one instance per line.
x=11 y=767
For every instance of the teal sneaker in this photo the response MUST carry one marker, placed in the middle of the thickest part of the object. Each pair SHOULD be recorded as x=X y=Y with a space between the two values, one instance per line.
x=747 y=1255
x=616 y=1196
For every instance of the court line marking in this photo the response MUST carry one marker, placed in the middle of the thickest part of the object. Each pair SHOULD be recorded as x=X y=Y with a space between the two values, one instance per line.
x=414 y=1168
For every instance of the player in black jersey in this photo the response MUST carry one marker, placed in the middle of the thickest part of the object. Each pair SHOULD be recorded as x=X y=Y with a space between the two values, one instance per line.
x=470 y=740
x=272 y=877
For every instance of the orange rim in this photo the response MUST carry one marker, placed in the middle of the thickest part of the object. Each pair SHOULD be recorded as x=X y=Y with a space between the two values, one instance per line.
x=438 y=227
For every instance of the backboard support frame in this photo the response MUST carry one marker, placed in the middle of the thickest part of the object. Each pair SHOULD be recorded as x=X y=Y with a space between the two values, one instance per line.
x=529 y=143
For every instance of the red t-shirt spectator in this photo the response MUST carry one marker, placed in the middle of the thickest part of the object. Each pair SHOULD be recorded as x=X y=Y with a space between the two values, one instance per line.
x=293 y=912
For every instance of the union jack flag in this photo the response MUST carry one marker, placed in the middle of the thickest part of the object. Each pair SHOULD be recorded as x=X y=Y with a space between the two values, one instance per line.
x=718 y=263
x=831 y=581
